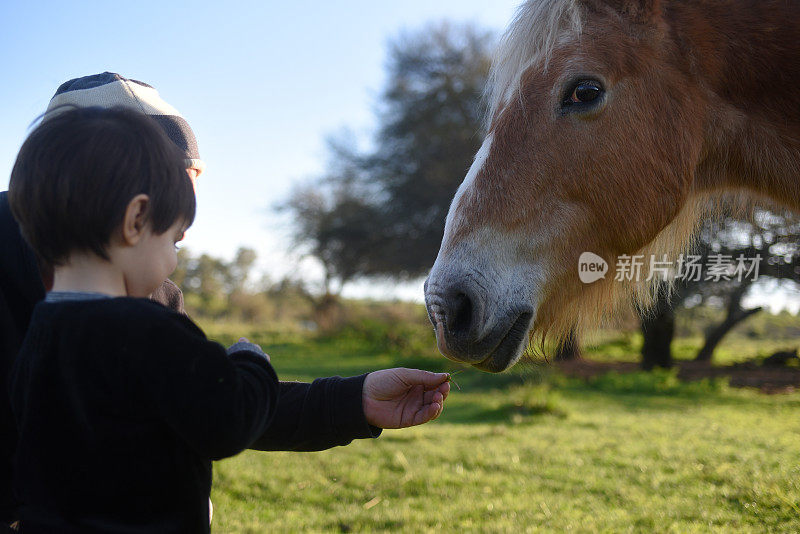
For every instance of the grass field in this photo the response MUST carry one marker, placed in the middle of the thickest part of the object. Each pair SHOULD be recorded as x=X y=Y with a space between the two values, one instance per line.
x=528 y=451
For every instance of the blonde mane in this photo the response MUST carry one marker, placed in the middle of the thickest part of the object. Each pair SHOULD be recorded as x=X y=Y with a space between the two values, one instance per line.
x=530 y=39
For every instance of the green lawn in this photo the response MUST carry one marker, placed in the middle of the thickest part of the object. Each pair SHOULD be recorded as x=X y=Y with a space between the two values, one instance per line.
x=528 y=451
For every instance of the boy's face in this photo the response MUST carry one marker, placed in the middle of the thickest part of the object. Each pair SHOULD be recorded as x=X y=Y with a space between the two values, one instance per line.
x=155 y=257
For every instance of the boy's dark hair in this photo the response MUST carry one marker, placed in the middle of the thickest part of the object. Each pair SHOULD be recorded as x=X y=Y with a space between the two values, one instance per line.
x=77 y=172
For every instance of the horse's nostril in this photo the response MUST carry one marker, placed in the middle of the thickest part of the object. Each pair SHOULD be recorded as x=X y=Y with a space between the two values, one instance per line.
x=460 y=317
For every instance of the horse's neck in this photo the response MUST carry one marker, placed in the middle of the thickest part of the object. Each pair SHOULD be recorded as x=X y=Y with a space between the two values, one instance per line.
x=748 y=57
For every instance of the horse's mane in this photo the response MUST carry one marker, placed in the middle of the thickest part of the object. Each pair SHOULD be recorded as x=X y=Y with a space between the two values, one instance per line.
x=529 y=39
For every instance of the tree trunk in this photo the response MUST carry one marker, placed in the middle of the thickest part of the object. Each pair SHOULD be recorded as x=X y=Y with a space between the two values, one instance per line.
x=658 y=328
x=569 y=348
x=734 y=316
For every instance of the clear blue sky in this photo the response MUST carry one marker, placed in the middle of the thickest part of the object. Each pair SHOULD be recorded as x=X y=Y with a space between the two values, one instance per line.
x=261 y=83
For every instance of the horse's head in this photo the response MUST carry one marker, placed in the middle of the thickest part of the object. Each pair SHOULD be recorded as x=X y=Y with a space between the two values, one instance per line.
x=594 y=131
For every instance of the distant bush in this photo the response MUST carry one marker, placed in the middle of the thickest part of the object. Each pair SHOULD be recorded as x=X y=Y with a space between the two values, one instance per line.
x=535 y=400
x=397 y=327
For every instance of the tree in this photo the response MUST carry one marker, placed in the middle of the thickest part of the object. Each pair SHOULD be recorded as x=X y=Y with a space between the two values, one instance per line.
x=733 y=316
x=431 y=128
x=239 y=270
x=772 y=236
x=338 y=228
x=210 y=282
x=381 y=213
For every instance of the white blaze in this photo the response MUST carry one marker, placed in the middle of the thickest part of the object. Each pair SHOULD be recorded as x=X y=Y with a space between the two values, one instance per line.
x=477 y=165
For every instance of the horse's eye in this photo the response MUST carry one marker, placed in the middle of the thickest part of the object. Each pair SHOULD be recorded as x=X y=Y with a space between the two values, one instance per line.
x=583 y=93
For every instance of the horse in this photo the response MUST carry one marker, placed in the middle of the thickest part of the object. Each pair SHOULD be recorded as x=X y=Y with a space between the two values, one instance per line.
x=612 y=126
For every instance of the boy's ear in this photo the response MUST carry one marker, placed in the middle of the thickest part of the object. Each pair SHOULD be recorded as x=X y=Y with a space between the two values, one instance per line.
x=133 y=224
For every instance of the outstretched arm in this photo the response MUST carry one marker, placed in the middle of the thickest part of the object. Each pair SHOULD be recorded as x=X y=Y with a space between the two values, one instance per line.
x=321 y=415
x=334 y=411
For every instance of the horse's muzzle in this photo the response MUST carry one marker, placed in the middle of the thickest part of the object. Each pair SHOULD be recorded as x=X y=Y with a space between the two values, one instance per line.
x=469 y=328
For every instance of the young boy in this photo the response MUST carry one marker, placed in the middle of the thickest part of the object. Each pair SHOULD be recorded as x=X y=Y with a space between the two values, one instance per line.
x=121 y=404
x=23 y=280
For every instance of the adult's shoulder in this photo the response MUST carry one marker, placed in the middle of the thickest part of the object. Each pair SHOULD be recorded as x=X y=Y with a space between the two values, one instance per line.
x=20 y=282
x=17 y=260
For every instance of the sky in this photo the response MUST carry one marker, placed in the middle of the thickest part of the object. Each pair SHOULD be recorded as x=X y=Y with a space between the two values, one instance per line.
x=262 y=84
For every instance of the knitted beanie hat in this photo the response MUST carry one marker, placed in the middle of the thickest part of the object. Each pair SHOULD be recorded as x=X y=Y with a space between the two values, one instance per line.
x=110 y=89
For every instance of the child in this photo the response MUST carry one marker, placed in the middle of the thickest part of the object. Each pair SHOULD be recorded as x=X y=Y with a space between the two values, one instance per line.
x=121 y=404
x=23 y=280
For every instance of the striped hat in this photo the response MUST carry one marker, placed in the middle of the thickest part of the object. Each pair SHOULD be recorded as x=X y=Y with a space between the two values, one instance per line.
x=110 y=89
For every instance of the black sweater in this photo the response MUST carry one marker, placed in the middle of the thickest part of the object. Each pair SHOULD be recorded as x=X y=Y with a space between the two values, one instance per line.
x=20 y=289
x=121 y=405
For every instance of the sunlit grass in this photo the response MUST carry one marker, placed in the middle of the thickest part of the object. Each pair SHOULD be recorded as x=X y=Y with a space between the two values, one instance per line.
x=528 y=451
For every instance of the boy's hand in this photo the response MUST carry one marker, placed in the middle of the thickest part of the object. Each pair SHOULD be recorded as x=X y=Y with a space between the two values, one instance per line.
x=399 y=398
x=253 y=347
